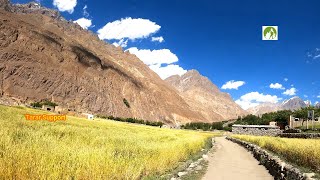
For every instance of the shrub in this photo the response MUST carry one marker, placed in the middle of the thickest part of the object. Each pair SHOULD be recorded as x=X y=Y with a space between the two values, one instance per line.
x=41 y=103
x=36 y=104
x=126 y=102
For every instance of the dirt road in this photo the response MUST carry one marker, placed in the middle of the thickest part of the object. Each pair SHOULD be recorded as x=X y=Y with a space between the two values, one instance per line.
x=233 y=162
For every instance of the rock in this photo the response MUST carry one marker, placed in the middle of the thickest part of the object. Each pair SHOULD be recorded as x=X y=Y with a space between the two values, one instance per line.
x=198 y=168
x=199 y=160
x=182 y=173
x=205 y=157
x=309 y=176
x=192 y=165
x=5 y=4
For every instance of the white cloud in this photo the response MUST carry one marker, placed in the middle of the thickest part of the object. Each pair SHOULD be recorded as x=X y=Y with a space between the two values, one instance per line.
x=313 y=55
x=84 y=23
x=158 y=39
x=233 y=84
x=286 y=79
x=65 y=5
x=318 y=96
x=276 y=86
x=160 y=61
x=153 y=57
x=316 y=56
x=123 y=43
x=167 y=71
x=305 y=96
x=128 y=28
x=85 y=12
x=253 y=99
x=290 y=92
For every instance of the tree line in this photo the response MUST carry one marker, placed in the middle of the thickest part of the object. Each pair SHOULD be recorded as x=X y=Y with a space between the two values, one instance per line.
x=281 y=117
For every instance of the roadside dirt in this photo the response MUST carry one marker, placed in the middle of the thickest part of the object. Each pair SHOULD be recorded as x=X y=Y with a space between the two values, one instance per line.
x=231 y=161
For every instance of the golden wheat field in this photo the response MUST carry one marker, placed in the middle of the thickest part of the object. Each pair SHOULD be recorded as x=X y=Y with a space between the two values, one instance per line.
x=302 y=152
x=83 y=149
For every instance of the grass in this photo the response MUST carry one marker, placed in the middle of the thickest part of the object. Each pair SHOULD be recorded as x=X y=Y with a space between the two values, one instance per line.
x=83 y=149
x=316 y=128
x=301 y=152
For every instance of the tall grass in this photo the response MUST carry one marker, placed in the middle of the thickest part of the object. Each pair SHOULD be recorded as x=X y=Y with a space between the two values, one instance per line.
x=83 y=149
x=302 y=152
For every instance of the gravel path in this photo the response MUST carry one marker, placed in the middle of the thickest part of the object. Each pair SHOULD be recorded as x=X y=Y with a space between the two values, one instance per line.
x=232 y=162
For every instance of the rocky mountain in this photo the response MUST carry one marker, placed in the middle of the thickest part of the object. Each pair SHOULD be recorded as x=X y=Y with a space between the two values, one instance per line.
x=43 y=56
x=205 y=97
x=264 y=108
x=293 y=103
x=289 y=104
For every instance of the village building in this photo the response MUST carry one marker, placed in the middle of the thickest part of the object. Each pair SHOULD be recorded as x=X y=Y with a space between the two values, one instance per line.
x=88 y=116
x=48 y=108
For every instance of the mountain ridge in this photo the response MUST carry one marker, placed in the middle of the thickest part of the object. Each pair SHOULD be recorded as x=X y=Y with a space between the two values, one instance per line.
x=43 y=57
x=293 y=103
x=204 y=96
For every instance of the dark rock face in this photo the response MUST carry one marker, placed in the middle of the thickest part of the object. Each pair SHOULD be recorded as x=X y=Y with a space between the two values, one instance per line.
x=5 y=4
x=35 y=8
x=45 y=57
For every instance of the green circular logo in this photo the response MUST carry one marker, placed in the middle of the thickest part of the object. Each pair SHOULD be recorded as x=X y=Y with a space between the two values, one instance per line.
x=270 y=33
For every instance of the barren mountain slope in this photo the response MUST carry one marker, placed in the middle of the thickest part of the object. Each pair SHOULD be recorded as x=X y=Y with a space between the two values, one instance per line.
x=205 y=97
x=47 y=57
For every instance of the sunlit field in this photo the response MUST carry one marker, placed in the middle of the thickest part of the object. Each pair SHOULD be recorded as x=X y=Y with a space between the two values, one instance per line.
x=302 y=152
x=83 y=149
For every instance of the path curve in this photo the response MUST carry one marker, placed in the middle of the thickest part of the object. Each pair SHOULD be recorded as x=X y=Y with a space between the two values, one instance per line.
x=230 y=161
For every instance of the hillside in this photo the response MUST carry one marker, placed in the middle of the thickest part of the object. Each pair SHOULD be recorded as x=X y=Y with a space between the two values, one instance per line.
x=43 y=56
x=205 y=97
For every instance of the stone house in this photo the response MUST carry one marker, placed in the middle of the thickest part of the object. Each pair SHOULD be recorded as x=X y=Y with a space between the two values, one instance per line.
x=48 y=108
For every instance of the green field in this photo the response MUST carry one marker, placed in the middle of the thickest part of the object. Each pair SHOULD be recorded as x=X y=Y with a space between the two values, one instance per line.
x=301 y=152
x=83 y=149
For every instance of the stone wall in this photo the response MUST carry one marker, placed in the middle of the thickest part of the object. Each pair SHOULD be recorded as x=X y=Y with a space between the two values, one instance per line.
x=256 y=130
x=301 y=135
x=279 y=169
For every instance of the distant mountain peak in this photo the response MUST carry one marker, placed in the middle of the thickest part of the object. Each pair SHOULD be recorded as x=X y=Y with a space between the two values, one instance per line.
x=192 y=72
x=204 y=96
x=293 y=103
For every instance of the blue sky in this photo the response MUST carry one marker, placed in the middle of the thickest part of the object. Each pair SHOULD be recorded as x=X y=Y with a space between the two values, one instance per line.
x=221 y=39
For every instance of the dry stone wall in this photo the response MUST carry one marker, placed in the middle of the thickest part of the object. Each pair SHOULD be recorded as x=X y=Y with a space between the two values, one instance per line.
x=279 y=169
x=256 y=130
